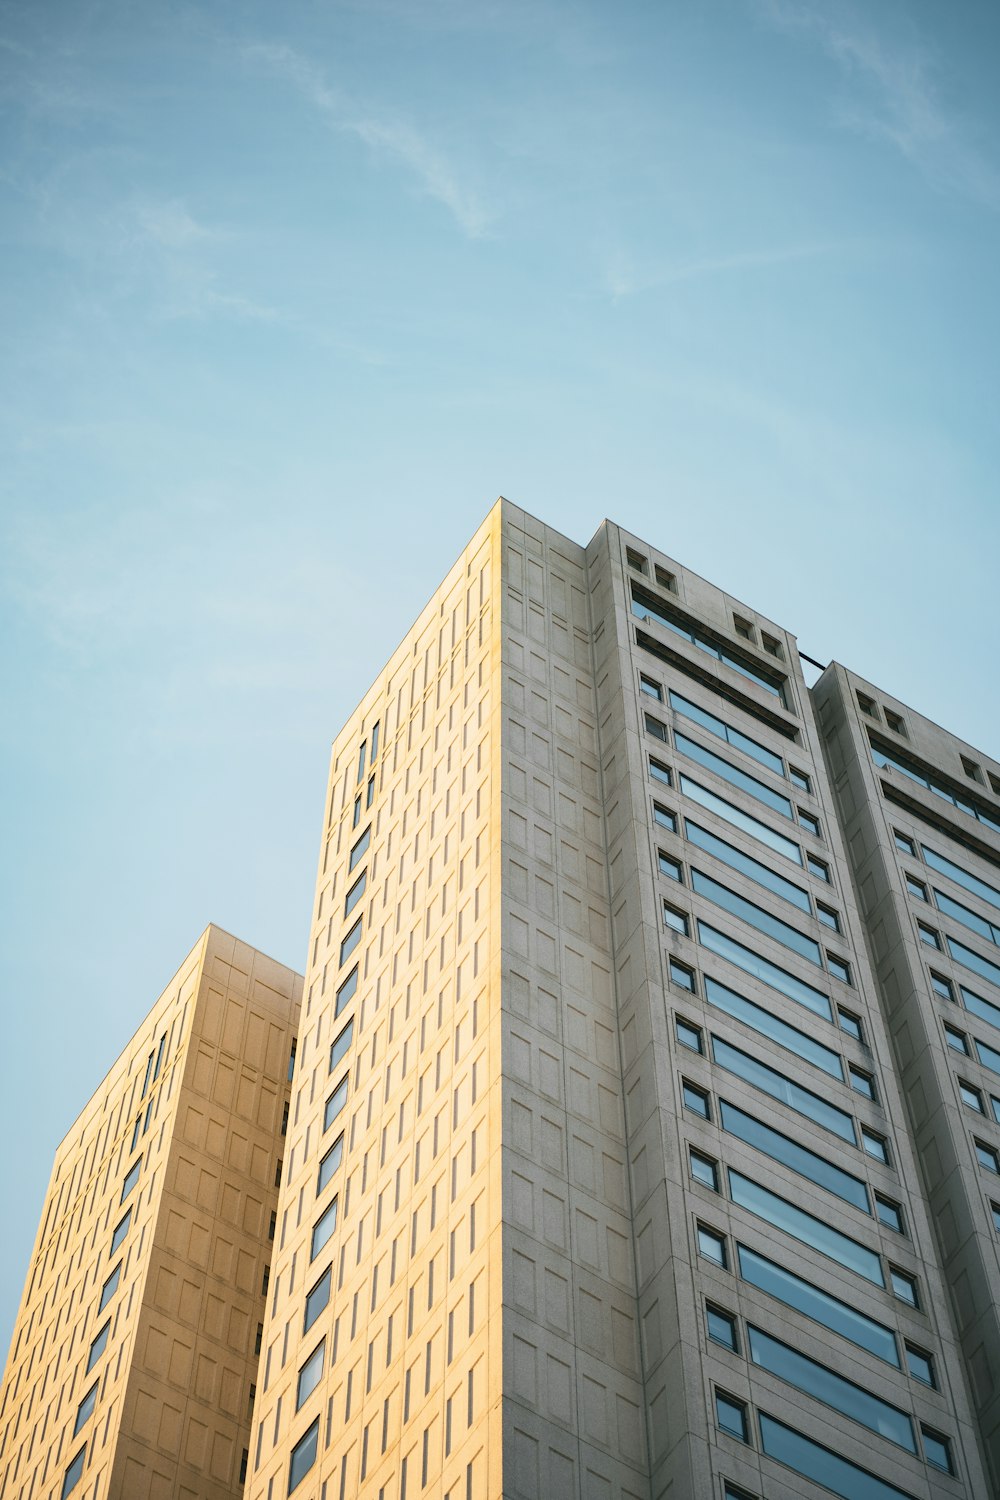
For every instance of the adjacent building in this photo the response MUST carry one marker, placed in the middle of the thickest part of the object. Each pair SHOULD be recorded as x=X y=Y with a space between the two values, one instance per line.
x=643 y=1136
x=134 y=1356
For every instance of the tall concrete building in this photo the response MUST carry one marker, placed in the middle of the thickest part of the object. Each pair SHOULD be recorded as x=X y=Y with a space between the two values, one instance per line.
x=643 y=1141
x=627 y=1156
x=134 y=1356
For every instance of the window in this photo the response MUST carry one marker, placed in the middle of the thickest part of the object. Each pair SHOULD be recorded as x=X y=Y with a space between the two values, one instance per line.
x=910 y=768
x=743 y=628
x=121 y=1230
x=376 y=730
x=937 y=1449
x=149 y=1114
x=259 y=1338
x=765 y=1024
x=323 y=1228
x=920 y=1365
x=763 y=921
x=136 y=1128
x=813 y=1461
x=335 y=1103
x=987 y=1157
x=731 y=1415
x=355 y=893
x=725 y=769
x=995 y=1211
x=674 y=919
x=86 y=1408
x=149 y=1074
x=904 y=844
x=681 y=975
x=309 y=1375
x=968 y=918
x=329 y=1164
x=770 y=1081
x=665 y=579
x=739 y=819
x=961 y=876
x=818 y=868
x=665 y=817
x=696 y=1099
x=359 y=849
x=370 y=795
x=635 y=560
x=861 y=1082
x=303 y=1456
x=799 y=779
x=317 y=1299
x=838 y=968
x=971 y=1097
x=284 y=1117
x=768 y=973
x=984 y=1009
x=988 y=1056
x=131 y=1179
x=916 y=887
x=351 y=941
x=657 y=730
x=828 y=916
x=929 y=936
x=273 y=1224
x=771 y=646
x=956 y=1040
x=904 y=1286
x=866 y=705
x=291 y=1060
x=732 y=736
x=704 y=1170
x=110 y=1287
x=889 y=1213
x=761 y=874
x=346 y=991
x=781 y=1214
x=797 y=1158
x=734 y=1492
x=875 y=1145
x=72 y=1475
x=646 y=606
x=357 y=811
x=833 y=1390
x=721 y=1327
x=244 y=1460
x=893 y=721
x=340 y=1044
x=818 y=1305
x=650 y=687
x=850 y=1024
x=808 y=822
x=712 y=1246
x=98 y=1347
x=159 y=1057
x=670 y=867
x=265 y=1280
x=942 y=987
x=688 y=1035
x=659 y=771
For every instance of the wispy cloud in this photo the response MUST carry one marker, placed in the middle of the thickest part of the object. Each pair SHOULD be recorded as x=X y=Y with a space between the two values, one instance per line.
x=625 y=279
x=898 y=100
x=397 y=139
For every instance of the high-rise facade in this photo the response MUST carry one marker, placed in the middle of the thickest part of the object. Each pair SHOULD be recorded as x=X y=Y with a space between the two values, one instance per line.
x=609 y=1172
x=134 y=1355
x=643 y=1139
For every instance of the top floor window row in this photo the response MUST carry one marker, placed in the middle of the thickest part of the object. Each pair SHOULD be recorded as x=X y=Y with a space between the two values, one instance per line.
x=646 y=606
x=936 y=784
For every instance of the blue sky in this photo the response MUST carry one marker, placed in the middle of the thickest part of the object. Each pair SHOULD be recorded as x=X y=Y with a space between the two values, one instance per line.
x=291 y=293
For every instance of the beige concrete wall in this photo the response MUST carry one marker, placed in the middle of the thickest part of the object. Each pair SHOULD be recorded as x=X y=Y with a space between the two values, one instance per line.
x=173 y=1311
x=408 y=1401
